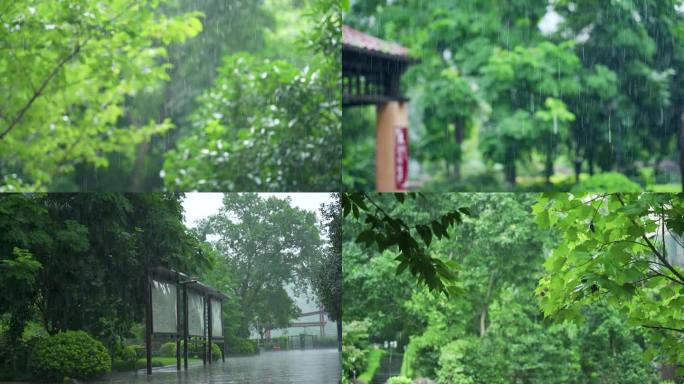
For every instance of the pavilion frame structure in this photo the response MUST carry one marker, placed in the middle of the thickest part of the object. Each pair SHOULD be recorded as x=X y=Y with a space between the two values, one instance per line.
x=184 y=285
x=371 y=75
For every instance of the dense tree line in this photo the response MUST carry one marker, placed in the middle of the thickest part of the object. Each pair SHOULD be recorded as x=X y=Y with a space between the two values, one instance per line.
x=598 y=92
x=79 y=262
x=559 y=289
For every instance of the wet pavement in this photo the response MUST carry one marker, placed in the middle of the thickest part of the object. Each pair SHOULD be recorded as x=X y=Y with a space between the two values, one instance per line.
x=313 y=366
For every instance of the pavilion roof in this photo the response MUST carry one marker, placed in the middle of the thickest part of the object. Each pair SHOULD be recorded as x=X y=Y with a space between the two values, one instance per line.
x=363 y=41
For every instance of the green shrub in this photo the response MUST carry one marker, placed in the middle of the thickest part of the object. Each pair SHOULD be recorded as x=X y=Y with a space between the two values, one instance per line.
x=356 y=333
x=452 y=369
x=353 y=361
x=282 y=341
x=129 y=355
x=168 y=349
x=70 y=354
x=399 y=380
x=607 y=182
x=239 y=346
x=215 y=351
x=139 y=350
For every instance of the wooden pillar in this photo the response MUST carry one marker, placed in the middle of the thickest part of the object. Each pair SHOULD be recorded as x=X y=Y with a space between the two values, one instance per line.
x=681 y=147
x=209 y=331
x=391 y=118
x=204 y=332
x=186 y=327
x=148 y=323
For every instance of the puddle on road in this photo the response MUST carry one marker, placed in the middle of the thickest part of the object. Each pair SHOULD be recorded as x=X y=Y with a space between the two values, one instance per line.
x=314 y=366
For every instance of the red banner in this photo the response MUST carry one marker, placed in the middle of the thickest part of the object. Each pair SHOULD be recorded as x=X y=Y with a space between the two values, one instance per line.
x=401 y=157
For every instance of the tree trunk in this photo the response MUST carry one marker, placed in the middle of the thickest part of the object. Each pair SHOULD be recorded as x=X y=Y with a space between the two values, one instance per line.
x=577 y=162
x=139 y=168
x=485 y=307
x=459 y=127
x=681 y=146
x=509 y=166
x=548 y=166
x=339 y=332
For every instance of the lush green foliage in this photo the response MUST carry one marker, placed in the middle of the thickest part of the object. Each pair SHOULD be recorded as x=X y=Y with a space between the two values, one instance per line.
x=108 y=95
x=72 y=69
x=73 y=354
x=387 y=232
x=270 y=118
x=492 y=331
x=354 y=358
x=620 y=249
x=267 y=125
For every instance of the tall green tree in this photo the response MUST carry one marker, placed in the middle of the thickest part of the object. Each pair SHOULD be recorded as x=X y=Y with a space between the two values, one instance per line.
x=327 y=276
x=266 y=244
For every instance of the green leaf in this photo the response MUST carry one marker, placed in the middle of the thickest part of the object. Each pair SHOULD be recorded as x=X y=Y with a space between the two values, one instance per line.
x=425 y=233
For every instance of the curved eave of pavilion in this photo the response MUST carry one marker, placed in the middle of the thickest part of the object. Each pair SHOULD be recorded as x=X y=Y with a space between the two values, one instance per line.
x=355 y=41
x=399 y=59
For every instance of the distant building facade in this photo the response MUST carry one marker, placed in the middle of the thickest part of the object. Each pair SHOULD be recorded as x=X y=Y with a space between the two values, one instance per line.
x=313 y=320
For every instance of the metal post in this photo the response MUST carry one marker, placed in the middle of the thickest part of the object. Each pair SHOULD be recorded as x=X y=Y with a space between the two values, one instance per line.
x=209 y=332
x=223 y=332
x=185 y=326
x=148 y=323
x=178 y=325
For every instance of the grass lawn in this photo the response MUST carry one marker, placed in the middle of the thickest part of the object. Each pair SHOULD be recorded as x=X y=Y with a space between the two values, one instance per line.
x=158 y=361
x=665 y=188
x=374 y=357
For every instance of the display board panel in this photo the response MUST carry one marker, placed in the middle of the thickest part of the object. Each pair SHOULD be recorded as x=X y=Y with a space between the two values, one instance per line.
x=216 y=319
x=195 y=314
x=164 y=307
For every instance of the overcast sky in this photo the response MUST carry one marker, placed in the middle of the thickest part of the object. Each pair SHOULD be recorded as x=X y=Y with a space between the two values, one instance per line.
x=200 y=205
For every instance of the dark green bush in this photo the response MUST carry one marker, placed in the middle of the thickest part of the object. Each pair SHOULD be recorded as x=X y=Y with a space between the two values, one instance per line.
x=241 y=346
x=69 y=354
x=607 y=182
x=168 y=349
x=215 y=351
x=139 y=350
